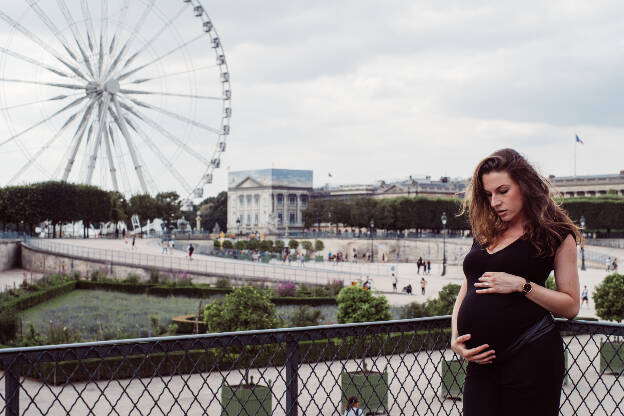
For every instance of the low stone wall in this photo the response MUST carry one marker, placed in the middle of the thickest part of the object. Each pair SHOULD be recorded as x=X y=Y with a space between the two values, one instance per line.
x=10 y=254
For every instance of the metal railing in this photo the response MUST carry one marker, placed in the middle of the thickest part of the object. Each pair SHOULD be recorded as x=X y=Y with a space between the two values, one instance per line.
x=182 y=264
x=394 y=368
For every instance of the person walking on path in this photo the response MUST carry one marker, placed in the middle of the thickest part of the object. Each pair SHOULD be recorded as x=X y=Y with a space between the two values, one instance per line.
x=608 y=263
x=423 y=285
x=191 y=249
x=165 y=246
x=428 y=267
x=395 y=280
x=133 y=241
x=585 y=296
x=419 y=263
x=501 y=322
x=614 y=264
x=171 y=245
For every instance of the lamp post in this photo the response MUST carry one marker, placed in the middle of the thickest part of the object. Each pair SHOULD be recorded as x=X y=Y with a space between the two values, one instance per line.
x=443 y=219
x=238 y=227
x=582 y=223
x=372 y=225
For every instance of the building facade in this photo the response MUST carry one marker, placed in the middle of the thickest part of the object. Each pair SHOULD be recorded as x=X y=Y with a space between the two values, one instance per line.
x=267 y=200
x=589 y=185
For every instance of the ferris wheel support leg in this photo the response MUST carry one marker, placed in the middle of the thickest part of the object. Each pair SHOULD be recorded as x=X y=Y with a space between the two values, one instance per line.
x=77 y=139
x=98 y=138
x=121 y=123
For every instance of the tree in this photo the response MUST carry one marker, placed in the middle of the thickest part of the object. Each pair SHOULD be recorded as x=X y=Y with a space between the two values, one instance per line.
x=213 y=211
x=278 y=246
x=227 y=244
x=609 y=298
x=304 y=315
x=120 y=208
x=358 y=305
x=246 y=308
x=443 y=304
x=293 y=244
x=168 y=207
x=145 y=207
x=318 y=245
x=307 y=246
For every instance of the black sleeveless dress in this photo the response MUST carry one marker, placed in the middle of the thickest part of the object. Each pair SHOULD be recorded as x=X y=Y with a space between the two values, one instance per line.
x=530 y=382
x=497 y=319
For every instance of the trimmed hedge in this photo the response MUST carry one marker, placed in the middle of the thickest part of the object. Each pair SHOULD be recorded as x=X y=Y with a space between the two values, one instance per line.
x=30 y=299
x=215 y=359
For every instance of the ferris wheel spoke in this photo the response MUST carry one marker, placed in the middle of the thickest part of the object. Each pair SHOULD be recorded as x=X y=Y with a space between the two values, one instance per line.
x=33 y=159
x=75 y=33
x=176 y=116
x=133 y=35
x=45 y=120
x=123 y=12
x=50 y=24
x=121 y=124
x=77 y=139
x=56 y=98
x=111 y=162
x=142 y=80
x=35 y=62
x=98 y=136
x=132 y=71
x=163 y=159
x=163 y=131
x=120 y=155
x=42 y=44
x=86 y=13
x=49 y=84
x=171 y=94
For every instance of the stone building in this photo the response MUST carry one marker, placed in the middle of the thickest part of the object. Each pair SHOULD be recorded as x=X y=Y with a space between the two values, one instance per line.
x=267 y=200
x=589 y=185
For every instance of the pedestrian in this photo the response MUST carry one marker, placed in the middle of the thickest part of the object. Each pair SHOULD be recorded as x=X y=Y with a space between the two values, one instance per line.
x=608 y=263
x=133 y=241
x=428 y=266
x=395 y=280
x=191 y=249
x=585 y=296
x=614 y=264
x=171 y=245
x=419 y=263
x=165 y=246
x=423 y=285
x=352 y=407
x=501 y=322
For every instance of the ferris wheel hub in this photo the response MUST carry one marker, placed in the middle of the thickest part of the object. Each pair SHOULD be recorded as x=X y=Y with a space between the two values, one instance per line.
x=111 y=86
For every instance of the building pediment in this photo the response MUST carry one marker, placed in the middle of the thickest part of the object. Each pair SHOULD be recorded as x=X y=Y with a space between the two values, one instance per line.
x=248 y=182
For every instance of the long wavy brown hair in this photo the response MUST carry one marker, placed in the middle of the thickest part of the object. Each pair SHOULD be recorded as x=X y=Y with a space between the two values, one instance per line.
x=547 y=223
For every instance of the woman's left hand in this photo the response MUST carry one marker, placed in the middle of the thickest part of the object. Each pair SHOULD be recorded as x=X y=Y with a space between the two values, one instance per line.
x=499 y=282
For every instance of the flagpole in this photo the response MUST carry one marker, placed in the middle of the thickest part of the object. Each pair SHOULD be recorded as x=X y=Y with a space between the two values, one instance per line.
x=575 y=143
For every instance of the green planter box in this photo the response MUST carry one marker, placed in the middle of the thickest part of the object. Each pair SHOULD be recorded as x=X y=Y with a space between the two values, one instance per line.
x=612 y=357
x=246 y=399
x=370 y=387
x=453 y=377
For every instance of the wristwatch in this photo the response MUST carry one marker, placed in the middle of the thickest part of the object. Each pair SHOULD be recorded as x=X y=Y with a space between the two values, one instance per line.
x=526 y=288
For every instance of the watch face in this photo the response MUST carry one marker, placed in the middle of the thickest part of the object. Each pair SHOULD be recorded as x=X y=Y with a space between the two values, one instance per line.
x=526 y=288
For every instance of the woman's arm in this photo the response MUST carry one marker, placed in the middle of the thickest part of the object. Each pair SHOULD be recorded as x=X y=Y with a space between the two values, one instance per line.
x=564 y=301
x=458 y=302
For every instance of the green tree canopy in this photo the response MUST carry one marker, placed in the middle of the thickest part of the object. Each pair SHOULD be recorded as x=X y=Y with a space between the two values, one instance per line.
x=609 y=298
x=358 y=305
x=213 y=211
x=246 y=308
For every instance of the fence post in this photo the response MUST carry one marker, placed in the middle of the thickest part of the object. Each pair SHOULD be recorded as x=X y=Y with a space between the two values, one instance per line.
x=11 y=390
x=292 y=378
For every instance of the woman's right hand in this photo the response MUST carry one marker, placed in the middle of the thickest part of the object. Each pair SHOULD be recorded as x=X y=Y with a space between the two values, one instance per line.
x=479 y=355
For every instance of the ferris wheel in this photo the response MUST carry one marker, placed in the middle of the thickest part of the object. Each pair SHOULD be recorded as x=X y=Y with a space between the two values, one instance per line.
x=132 y=96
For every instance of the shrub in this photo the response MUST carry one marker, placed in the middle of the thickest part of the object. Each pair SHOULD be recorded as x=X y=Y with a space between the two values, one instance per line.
x=216 y=244
x=318 y=245
x=98 y=275
x=414 y=310
x=286 y=289
x=154 y=276
x=227 y=244
x=278 y=246
x=246 y=308
x=443 y=304
x=223 y=283
x=358 y=305
x=240 y=245
x=305 y=316
x=609 y=298
x=293 y=244
x=253 y=244
x=8 y=325
x=307 y=245
x=335 y=286
x=134 y=278
x=59 y=333
x=266 y=245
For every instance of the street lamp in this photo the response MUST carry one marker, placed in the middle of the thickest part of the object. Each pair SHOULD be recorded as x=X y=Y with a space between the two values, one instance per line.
x=582 y=223
x=238 y=222
x=443 y=219
x=372 y=225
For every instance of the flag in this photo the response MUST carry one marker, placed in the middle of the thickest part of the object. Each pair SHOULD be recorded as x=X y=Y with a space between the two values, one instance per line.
x=330 y=175
x=578 y=140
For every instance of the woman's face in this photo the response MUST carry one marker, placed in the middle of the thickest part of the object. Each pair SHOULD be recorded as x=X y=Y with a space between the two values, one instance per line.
x=504 y=195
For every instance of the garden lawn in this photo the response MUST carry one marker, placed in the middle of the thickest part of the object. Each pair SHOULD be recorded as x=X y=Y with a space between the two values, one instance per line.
x=120 y=315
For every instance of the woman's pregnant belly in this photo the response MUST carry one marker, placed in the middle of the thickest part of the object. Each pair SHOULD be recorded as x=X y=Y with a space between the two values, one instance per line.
x=496 y=319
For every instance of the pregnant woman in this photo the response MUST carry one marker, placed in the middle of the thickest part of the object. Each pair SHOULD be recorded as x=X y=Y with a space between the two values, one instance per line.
x=502 y=322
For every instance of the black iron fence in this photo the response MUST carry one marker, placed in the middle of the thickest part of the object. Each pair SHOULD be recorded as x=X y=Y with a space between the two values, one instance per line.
x=395 y=368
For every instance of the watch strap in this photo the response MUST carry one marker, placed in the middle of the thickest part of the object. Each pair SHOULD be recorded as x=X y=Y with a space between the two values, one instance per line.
x=526 y=288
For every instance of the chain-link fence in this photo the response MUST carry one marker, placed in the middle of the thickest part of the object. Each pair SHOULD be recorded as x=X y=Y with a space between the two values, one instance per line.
x=394 y=368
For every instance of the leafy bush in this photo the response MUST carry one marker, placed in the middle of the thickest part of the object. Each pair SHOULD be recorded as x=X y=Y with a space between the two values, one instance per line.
x=293 y=244
x=414 y=310
x=307 y=245
x=253 y=244
x=278 y=246
x=609 y=298
x=244 y=309
x=286 y=289
x=266 y=245
x=134 y=278
x=318 y=245
x=443 y=304
x=358 y=305
x=240 y=245
x=223 y=283
x=227 y=244
x=217 y=244
x=334 y=287
x=98 y=275
x=550 y=282
x=154 y=276
x=8 y=325
x=305 y=316
x=59 y=333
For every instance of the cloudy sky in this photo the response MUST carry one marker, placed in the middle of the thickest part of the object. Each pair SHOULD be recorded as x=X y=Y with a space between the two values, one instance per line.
x=372 y=90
